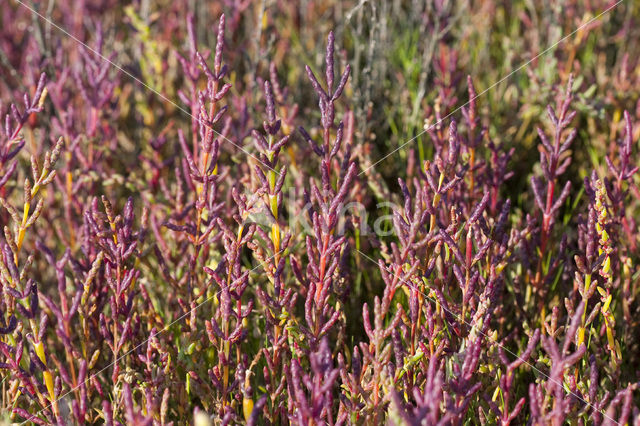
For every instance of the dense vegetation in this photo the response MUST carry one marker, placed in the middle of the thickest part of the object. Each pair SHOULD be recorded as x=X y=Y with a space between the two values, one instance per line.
x=273 y=212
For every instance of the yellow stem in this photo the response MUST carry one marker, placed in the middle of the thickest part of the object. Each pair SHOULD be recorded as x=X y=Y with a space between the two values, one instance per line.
x=581 y=330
